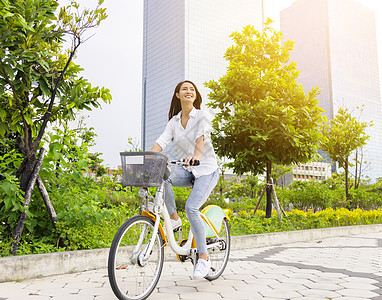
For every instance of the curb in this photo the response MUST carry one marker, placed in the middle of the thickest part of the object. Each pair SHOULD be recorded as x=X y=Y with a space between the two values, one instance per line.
x=41 y=265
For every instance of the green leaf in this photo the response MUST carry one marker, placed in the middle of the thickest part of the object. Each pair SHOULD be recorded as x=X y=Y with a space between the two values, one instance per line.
x=82 y=164
x=28 y=119
x=7 y=15
x=45 y=65
x=77 y=177
x=8 y=202
x=8 y=187
x=9 y=71
x=3 y=128
x=99 y=217
x=44 y=87
x=3 y=115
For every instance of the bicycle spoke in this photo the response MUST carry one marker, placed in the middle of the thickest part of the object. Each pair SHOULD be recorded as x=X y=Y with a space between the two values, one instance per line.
x=219 y=253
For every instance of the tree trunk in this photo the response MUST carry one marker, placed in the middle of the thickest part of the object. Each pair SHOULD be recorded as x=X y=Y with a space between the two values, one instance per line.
x=347 y=182
x=27 y=198
x=277 y=203
x=27 y=172
x=52 y=213
x=359 y=175
x=360 y=168
x=27 y=166
x=261 y=196
x=356 y=169
x=48 y=203
x=268 y=211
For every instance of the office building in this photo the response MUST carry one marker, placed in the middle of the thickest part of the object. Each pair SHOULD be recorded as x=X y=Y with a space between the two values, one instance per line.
x=312 y=171
x=186 y=39
x=336 y=49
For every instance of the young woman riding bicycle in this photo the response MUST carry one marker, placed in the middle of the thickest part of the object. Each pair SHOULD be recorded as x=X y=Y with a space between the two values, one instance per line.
x=189 y=129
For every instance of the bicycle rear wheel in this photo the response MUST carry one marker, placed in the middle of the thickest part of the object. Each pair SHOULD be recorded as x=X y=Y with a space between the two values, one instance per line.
x=130 y=275
x=219 y=255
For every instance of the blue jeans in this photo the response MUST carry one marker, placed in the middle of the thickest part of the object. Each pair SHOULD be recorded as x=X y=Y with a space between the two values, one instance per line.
x=203 y=187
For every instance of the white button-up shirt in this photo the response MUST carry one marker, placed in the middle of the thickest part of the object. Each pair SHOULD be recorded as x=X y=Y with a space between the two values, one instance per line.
x=185 y=140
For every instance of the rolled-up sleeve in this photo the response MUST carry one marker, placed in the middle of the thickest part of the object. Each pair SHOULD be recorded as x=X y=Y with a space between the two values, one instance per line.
x=205 y=126
x=167 y=134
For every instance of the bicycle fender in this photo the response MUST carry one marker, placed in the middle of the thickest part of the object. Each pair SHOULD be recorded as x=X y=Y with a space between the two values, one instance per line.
x=152 y=217
x=215 y=215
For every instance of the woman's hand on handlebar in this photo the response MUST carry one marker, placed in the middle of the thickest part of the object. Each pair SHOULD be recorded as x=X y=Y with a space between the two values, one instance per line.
x=182 y=162
x=192 y=160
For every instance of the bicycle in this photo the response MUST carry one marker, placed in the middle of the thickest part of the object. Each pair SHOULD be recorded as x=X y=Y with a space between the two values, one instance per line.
x=136 y=254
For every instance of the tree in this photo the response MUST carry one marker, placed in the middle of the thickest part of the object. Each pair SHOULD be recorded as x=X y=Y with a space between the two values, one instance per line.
x=263 y=115
x=39 y=82
x=342 y=136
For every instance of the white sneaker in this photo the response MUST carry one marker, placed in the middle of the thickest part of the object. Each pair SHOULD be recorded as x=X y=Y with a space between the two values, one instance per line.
x=175 y=224
x=202 y=268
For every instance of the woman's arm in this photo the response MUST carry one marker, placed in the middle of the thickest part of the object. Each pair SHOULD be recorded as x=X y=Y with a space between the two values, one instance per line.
x=199 y=147
x=156 y=148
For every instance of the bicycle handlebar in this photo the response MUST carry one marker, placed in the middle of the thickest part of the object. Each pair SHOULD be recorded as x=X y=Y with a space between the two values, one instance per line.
x=181 y=162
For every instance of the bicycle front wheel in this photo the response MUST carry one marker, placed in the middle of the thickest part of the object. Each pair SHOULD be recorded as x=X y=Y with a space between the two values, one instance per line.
x=219 y=255
x=133 y=275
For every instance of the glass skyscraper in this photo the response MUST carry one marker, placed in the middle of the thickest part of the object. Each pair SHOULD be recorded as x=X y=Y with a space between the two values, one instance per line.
x=186 y=39
x=336 y=49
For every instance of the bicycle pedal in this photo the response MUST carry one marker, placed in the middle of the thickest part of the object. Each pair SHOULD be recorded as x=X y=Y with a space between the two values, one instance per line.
x=177 y=229
x=182 y=258
x=211 y=240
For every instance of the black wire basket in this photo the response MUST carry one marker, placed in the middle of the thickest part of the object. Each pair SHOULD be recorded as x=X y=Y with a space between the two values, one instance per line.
x=143 y=169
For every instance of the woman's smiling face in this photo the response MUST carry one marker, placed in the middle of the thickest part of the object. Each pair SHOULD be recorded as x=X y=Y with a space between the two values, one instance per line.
x=186 y=92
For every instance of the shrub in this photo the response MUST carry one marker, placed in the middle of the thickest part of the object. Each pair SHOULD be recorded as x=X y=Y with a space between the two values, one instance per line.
x=306 y=195
x=366 y=199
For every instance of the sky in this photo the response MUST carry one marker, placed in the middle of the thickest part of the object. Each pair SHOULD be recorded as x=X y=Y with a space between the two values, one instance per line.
x=112 y=58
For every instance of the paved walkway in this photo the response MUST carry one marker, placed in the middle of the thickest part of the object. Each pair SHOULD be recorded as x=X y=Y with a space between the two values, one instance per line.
x=333 y=268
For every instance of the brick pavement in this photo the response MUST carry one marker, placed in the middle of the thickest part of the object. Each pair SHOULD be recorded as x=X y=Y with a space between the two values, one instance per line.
x=347 y=268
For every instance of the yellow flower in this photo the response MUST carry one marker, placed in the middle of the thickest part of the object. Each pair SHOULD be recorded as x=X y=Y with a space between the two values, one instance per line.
x=243 y=213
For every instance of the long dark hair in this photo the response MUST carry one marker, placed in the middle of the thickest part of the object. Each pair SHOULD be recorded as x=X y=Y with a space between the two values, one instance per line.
x=175 y=106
